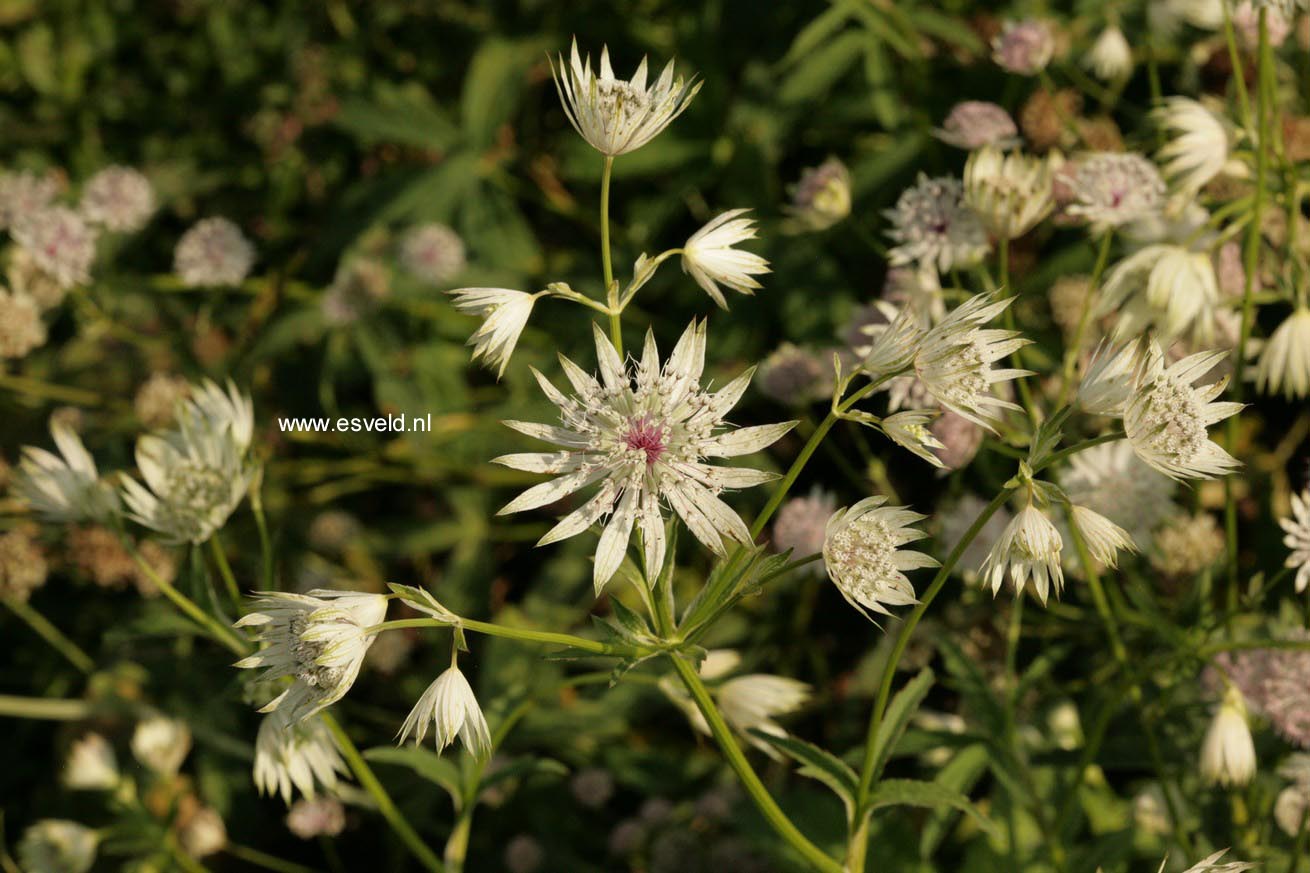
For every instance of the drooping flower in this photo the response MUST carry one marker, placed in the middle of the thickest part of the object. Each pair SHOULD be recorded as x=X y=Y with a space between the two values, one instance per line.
x=24 y=193
x=318 y=639
x=1285 y=361
x=120 y=199
x=1110 y=57
x=1165 y=288
x=504 y=314
x=1111 y=189
x=91 y=765
x=910 y=430
x=617 y=116
x=1167 y=417
x=1029 y=549
x=21 y=327
x=450 y=705
x=1104 y=539
x=59 y=242
x=1228 y=753
x=863 y=555
x=644 y=434
x=67 y=487
x=1010 y=193
x=161 y=744
x=932 y=226
x=1024 y=47
x=301 y=755
x=202 y=832
x=1111 y=480
x=433 y=253
x=213 y=252
x=1297 y=528
x=708 y=256
x=55 y=845
x=1110 y=379
x=977 y=123
x=954 y=360
x=1198 y=144
x=892 y=342
x=800 y=526
x=822 y=197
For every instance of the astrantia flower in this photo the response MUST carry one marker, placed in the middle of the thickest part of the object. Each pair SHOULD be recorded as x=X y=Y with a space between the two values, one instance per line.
x=863 y=554
x=823 y=196
x=1167 y=417
x=302 y=755
x=24 y=193
x=360 y=284
x=504 y=314
x=709 y=257
x=120 y=199
x=1103 y=538
x=795 y=376
x=1110 y=379
x=1010 y=193
x=202 y=832
x=91 y=765
x=1111 y=189
x=59 y=242
x=800 y=526
x=1165 y=288
x=1297 y=527
x=1111 y=479
x=1285 y=361
x=222 y=412
x=931 y=225
x=954 y=360
x=1227 y=753
x=433 y=253
x=55 y=845
x=909 y=430
x=1029 y=548
x=892 y=344
x=21 y=327
x=1110 y=57
x=67 y=487
x=161 y=744
x=1024 y=47
x=213 y=252
x=452 y=708
x=643 y=434
x=1197 y=149
x=1212 y=865
x=977 y=123
x=319 y=639
x=617 y=116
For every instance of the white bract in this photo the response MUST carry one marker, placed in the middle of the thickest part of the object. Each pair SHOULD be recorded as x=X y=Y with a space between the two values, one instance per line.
x=1197 y=149
x=933 y=226
x=64 y=487
x=862 y=552
x=504 y=314
x=1011 y=192
x=452 y=709
x=1167 y=417
x=1285 y=361
x=1029 y=549
x=709 y=257
x=643 y=433
x=1110 y=57
x=1166 y=288
x=301 y=755
x=1228 y=753
x=1297 y=528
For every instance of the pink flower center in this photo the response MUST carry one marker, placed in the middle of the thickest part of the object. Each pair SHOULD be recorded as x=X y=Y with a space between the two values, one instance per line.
x=646 y=436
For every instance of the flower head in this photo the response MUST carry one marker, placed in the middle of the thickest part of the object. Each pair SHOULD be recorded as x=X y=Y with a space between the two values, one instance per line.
x=21 y=327
x=55 y=845
x=977 y=123
x=161 y=744
x=1024 y=47
x=359 y=285
x=1111 y=189
x=1111 y=480
x=1166 y=288
x=321 y=817
x=318 y=639
x=1167 y=417
x=120 y=199
x=24 y=193
x=709 y=257
x=504 y=314
x=66 y=487
x=433 y=253
x=1297 y=528
x=1104 y=539
x=1227 y=753
x=452 y=708
x=1111 y=376
x=1110 y=57
x=214 y=252
x=823 y=196
x=1197 y=149
x=302 y=755
x=932 y=226
x=59 y=242
x=617 y=116
x=795 y=376
x=1010 y=193
x=1029 y=548
x=644 y=433
x=1285 y=361
x=91 y=765
x=909 y=430
x=863 y=554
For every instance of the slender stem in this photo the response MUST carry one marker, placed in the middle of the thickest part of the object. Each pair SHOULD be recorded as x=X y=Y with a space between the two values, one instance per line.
x=1084 y=321
x=181 y=858
x=1016 y=357
x=607 y=264
x=51 y=634
x=215 y=628
x=1239 y=73
x=48 y=390
x=262 y=859
x=515 y=633
x=386 y=806
x=1079 y=447
x=225 y=570
x=43 y=708
x=265 y=543
x=750 y=781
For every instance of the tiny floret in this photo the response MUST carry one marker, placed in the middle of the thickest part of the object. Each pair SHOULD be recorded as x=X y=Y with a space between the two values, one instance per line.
x=862 y=552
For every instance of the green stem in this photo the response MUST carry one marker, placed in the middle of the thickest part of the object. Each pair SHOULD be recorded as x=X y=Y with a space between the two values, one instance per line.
x=1016 y=357
x=265 y=543
x=1084 y=321
x=262 y=859
x=51 y=634
x=1239 y=73
x=49 y=391
x=386 y=806
x=220 y=632
x=611 y=290
x=225 y=570
x=767 y=806
x=514 y=633
x=1059 y=456
x=43 y=708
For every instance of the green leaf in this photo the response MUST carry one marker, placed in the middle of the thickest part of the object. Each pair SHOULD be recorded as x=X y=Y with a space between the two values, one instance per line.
x=930 y=795
x=426 y=763
x=818 y=764
x=406 y=115
x=493 y=85
x=960 y=774
x=815 y=33
x=523 y=768
x=816 y=74
x=898 y=714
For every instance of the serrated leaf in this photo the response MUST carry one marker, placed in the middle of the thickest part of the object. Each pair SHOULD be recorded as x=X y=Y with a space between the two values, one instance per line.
x=960 y=774
x=929 y=795
x=902 y=707
x=818 y=764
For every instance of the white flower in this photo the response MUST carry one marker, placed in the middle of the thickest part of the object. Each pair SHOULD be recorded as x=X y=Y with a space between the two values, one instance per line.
x=504 y=314
x=1110 y=379
x=643 y=433
x=1029 y=548
x=932 y=226
x=1024 y=47
x=452 y=708
x=1166 y=288
x=862 y=551
x=1010 y=193
x=24 y=193
x=213 y=252
x=1285 y=361
x=21 y=327
x=1297 y=527
x=222 y=412
x=161 y=744
x=1111 y=189
x=120 y=199
x=1290 y=809
x=1110 y=57
x=1197 y=149
x=91 y=765
x=302 y=755
x=1228 y=753
x=1111 y=480
x=1104 y=539
x=319 y=639
x=66 y=488
x=55 y=845
x=203 y=833
x=973 y=124
x=893 y=344
x=709 y=257
x=617 y=116
x=1167 y=417
x=324 y=817
x=1212 y=865
x=433 y=253
x=822 y=197
x=59 y=242
x=908 y=429
x=954 y=360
